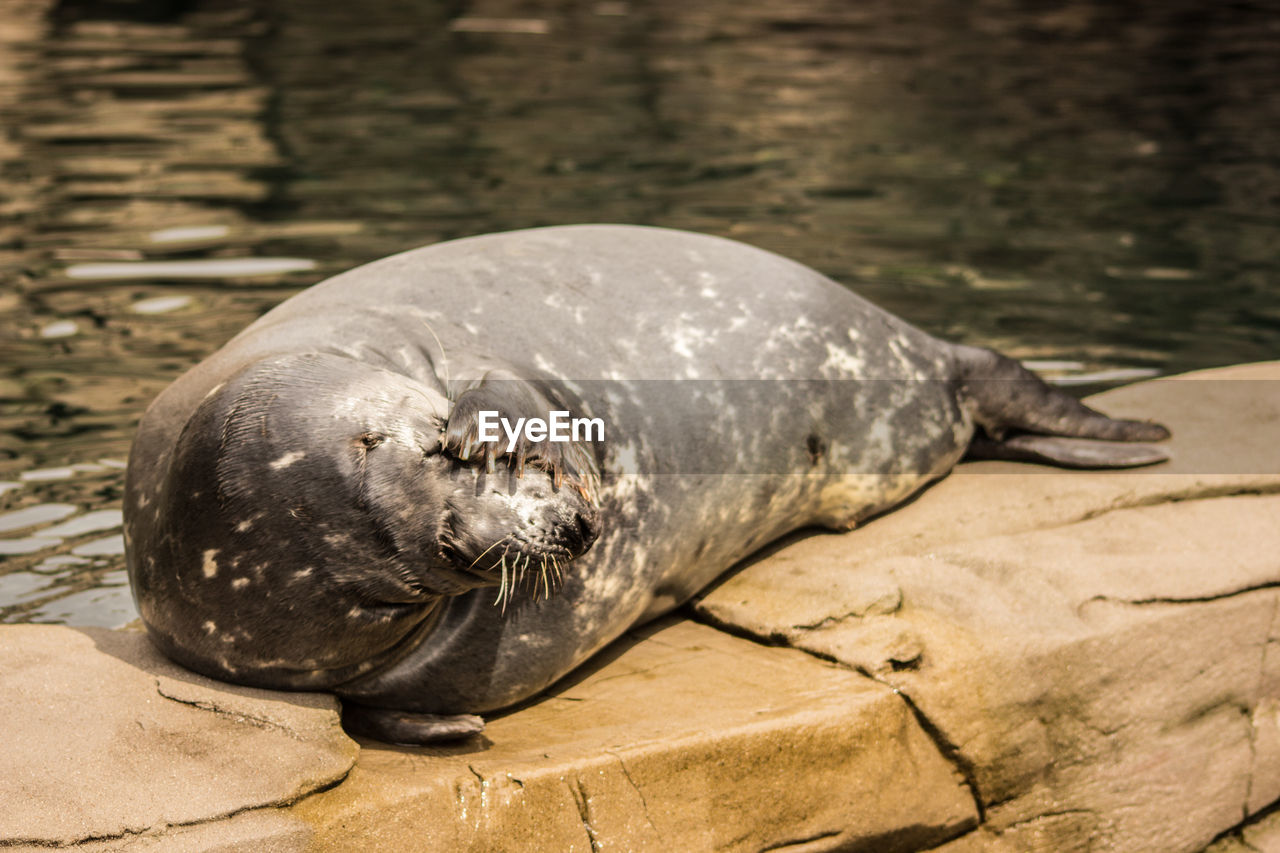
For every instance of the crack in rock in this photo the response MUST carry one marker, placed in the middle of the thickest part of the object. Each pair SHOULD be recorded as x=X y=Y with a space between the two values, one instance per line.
x=862 y=613
x=237 y=716
x=949 y=751
x=1202 y=493
x=1251 y=714
x=888 y=602
x=1263 y=818
x=1043 y=816
x=1188 y=599
x=161 y=830
x=579 y=793
x=644 y=803
x=800 y=842
x=827 y=621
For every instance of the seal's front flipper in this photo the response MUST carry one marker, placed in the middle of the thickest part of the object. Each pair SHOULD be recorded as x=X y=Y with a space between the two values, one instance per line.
x=1025 y=418
x=407 y=728
x=1066 y=452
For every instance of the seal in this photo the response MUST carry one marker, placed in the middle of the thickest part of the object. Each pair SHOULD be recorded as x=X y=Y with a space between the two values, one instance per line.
x=314 y=507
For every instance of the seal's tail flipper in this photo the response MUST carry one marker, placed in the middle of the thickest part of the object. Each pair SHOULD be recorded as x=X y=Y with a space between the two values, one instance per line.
x=1025 y=418
x=1066 y=452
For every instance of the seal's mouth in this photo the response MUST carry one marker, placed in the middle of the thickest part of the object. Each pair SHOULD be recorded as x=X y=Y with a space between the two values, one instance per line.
x=510 y=564
x=532 y=574
x=515 y=563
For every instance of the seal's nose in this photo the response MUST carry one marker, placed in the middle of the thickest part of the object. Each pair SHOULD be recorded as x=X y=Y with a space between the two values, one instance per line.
x=581 y=531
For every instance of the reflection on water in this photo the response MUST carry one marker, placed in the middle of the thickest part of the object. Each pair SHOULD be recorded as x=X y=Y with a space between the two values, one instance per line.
x=1090 y=186
x=216 y=268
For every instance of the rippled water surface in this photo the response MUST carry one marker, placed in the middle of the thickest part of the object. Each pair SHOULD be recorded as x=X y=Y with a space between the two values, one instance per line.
x=1092 y=186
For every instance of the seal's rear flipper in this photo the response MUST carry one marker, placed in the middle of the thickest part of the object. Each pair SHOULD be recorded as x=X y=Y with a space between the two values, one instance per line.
x=1048 y=425
x=406 y=727
x=1066 y=452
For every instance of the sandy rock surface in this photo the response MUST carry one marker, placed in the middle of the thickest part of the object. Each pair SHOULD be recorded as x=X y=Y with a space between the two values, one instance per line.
x=107 y=740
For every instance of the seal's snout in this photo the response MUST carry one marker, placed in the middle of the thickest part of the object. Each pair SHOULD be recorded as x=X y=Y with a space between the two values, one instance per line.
x=583 y=532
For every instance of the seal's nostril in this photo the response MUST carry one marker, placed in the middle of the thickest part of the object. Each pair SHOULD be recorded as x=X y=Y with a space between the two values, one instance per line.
x=586 y=529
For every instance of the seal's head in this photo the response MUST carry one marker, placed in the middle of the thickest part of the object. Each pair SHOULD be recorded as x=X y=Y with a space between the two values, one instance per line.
x=313 y=516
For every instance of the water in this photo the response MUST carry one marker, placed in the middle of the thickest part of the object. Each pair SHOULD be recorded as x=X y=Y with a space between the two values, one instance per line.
x=1090 y=186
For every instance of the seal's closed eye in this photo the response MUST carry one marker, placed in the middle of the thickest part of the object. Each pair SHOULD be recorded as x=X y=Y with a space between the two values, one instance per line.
x=370 y=440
